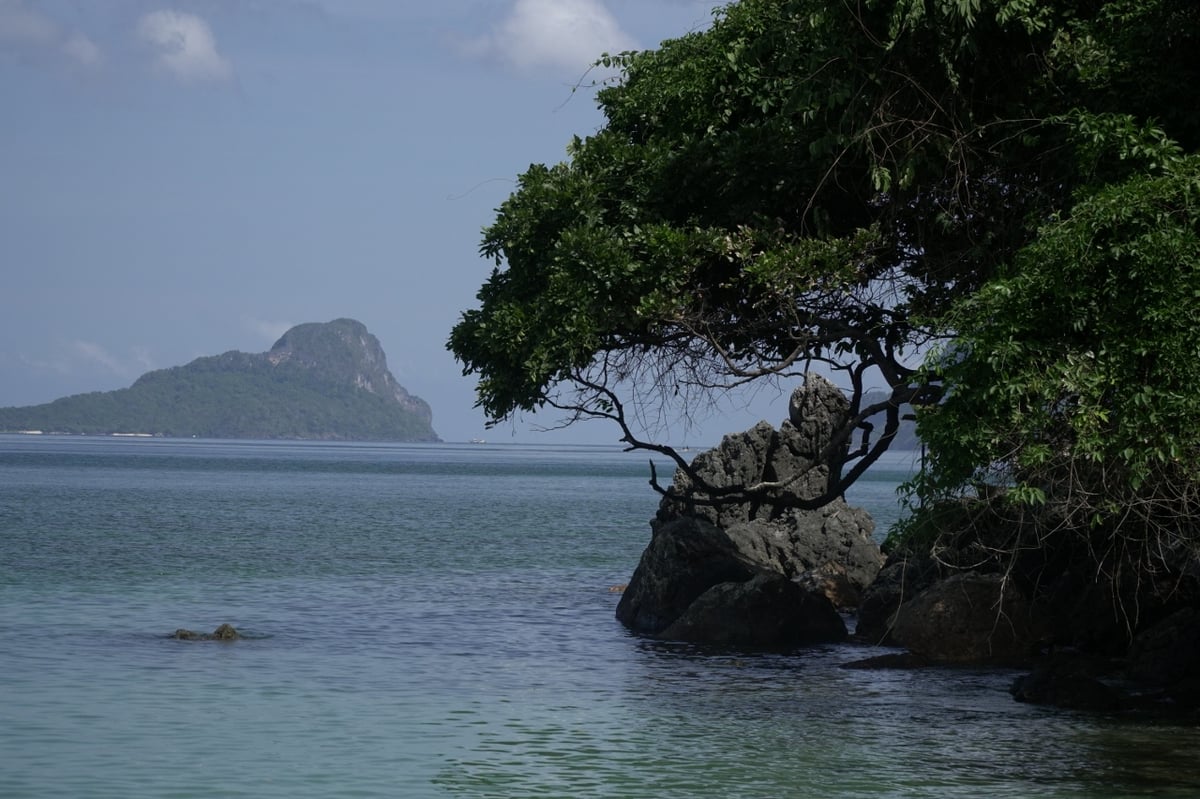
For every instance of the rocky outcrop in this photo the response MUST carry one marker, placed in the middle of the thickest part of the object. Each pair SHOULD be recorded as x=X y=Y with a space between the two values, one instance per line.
x=793 y=458
x=226 y=632
x=831 y=547
x=346 y=353
x=976 y=598
x=969 y=618
x=901 y=579
x=756 y=571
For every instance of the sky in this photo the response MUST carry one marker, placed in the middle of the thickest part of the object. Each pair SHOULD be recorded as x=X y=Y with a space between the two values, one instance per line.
x=182 y=179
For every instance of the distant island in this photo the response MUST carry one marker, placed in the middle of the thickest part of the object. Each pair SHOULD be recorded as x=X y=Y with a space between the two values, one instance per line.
x=320 y=381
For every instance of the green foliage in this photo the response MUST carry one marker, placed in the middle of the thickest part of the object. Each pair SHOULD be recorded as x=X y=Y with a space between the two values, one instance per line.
x=784 y=187
x=1089 y=349
x=1006 y=184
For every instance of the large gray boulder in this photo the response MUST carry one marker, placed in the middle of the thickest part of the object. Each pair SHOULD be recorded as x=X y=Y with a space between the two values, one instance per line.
x=685 y=558
x=716 y=572
x=697 y=583
x=789 y=457
x=814 y=545
x=830 y=546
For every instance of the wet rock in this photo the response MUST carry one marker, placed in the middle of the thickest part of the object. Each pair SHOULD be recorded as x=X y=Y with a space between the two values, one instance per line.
x=901 y=579
x=765 y=611
x=1167 y=652
x=969 y=618
x=226 y=632
x=685 y=558
x=1071 y=682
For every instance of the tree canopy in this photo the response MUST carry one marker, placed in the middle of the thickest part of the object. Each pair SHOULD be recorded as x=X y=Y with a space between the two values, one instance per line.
x=851 y=185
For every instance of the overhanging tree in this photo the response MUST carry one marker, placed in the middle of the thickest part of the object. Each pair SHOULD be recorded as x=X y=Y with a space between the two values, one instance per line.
x=806 y=182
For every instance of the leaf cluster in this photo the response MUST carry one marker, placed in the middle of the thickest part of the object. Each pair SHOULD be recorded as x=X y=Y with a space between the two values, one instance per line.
x=782 y=188
x=1003 y=183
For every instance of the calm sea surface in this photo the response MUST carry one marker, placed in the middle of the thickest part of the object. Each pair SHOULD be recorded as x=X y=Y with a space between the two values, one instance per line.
x=435 y=621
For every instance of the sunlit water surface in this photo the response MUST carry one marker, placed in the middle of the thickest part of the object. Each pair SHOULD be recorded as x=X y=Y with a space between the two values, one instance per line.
x=435 y=621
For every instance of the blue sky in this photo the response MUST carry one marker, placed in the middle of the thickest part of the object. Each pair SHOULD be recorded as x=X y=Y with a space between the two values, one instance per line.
x=187 y=178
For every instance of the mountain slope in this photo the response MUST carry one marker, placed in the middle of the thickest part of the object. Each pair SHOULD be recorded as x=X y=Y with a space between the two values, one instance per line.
x=319 y=381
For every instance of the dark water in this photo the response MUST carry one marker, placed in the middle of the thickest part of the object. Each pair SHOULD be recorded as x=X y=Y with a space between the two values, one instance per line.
x=435 y=621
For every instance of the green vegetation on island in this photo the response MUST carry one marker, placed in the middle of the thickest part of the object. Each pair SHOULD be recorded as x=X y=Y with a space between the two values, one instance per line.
x=319 y=381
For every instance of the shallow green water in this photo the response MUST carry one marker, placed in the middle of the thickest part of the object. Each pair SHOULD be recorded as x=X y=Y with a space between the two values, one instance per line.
x=435 y=621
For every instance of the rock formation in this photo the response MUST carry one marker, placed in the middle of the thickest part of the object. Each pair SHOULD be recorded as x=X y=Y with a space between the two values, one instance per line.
x=1092 y=642
x=226 y=632
x=756 y=572
x=968 y=618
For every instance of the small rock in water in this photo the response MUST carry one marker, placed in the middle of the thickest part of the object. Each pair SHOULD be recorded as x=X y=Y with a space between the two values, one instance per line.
x=226 y=632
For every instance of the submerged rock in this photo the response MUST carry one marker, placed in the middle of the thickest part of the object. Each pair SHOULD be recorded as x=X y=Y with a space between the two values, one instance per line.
x=1069 y=681
x=226 y=632
x=898 y=661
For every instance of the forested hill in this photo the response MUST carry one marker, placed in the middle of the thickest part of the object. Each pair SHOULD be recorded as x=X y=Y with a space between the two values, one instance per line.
x=319 y=381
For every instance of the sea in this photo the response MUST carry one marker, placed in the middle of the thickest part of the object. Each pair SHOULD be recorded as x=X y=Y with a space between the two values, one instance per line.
x=437 y=621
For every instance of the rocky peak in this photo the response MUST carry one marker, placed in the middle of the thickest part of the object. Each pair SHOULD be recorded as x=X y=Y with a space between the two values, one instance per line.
x=343 y=351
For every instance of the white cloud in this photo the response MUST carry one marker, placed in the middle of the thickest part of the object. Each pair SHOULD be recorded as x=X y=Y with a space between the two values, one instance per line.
x=83 y=50
x=268 y=331
x=96 y=355
x=557 y=33
x=143 y=359
x=184 y=45
x=22 y=29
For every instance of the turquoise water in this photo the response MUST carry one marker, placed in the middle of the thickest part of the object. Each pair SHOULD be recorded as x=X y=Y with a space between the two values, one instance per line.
x=435 y=621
